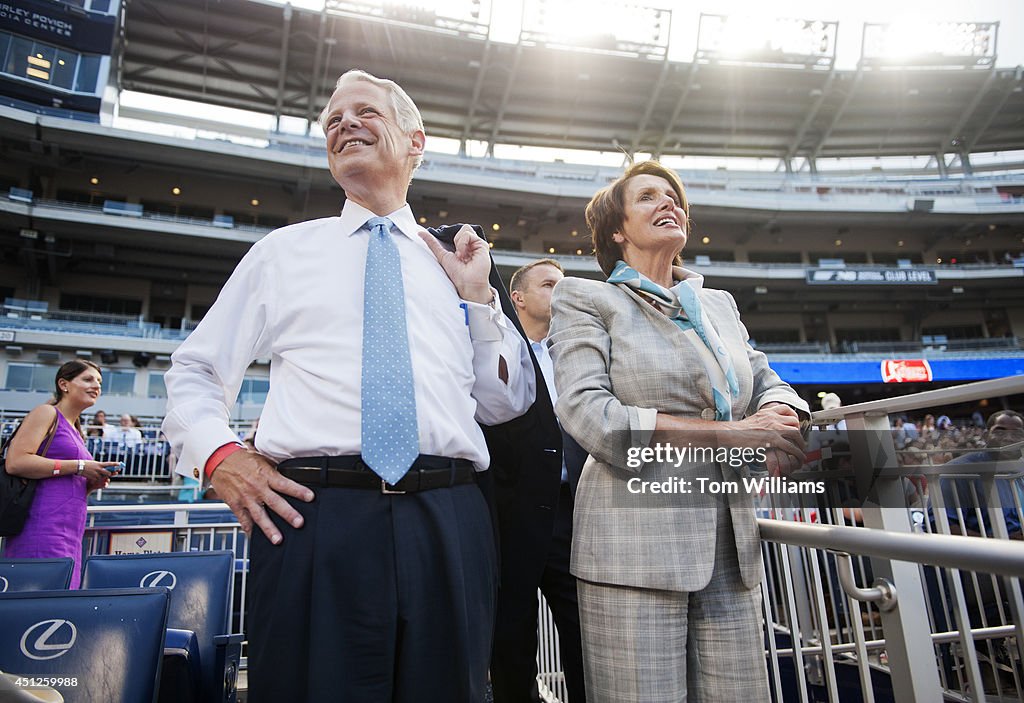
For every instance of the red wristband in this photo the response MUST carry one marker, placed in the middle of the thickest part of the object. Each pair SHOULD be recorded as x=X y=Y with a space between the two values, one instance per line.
x=56 y=467
x=220 y=455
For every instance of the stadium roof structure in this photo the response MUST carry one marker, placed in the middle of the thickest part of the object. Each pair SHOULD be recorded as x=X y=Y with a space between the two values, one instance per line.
x=283 y=61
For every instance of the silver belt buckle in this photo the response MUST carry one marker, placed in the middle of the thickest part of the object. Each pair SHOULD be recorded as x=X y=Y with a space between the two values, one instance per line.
x=387 y=491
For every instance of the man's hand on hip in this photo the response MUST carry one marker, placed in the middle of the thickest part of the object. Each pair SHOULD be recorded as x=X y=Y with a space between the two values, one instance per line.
x=251 y=486
x=468 y=266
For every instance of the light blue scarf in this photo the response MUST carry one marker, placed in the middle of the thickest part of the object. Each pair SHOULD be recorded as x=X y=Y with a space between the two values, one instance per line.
x=681 y=305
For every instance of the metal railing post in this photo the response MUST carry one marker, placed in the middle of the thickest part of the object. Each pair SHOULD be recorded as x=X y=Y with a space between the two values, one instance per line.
x=907 y=631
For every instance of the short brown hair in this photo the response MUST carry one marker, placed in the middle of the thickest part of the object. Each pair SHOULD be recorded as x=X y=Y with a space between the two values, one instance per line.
x=517 y=281
x=994 y=417
x=606 y=211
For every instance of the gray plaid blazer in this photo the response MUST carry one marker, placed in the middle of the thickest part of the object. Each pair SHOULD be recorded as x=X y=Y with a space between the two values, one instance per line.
x=618 y=360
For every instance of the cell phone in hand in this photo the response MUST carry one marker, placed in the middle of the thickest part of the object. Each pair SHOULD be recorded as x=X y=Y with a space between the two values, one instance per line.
x=116 y=468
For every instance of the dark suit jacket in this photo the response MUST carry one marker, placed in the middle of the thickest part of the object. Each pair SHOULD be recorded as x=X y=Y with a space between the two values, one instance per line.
x=526 y=465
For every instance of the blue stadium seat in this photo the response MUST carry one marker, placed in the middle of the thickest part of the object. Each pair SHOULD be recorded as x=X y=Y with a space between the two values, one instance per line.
x=200 y=584
x=181 y=675
x=35 y=574
x=102 y=645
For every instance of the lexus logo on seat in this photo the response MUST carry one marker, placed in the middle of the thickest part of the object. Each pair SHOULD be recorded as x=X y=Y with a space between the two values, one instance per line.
x=155 y=579
x=49 y=639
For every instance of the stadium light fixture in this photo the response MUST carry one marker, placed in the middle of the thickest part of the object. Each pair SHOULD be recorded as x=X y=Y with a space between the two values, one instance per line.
x=929 y=44
x=465 y=16
x=766 y=40
x=598 y=24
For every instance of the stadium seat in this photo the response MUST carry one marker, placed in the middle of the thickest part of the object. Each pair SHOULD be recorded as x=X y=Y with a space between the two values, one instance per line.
x=102 y=645
x=35 y=574
x=181 y=675
x=22 y=195
x=200 y=584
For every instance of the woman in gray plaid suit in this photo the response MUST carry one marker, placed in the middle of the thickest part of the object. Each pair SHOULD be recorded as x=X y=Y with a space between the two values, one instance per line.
x=657 y=382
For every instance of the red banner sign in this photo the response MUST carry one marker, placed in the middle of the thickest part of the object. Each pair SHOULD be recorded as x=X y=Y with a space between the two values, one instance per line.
x=906 y=371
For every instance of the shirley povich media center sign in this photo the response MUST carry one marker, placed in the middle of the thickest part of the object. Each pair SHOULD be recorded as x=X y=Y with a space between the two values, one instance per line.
x=871 y=277
x=59 y=24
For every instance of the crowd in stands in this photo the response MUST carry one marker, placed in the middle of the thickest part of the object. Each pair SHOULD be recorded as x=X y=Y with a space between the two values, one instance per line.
x=932 y=441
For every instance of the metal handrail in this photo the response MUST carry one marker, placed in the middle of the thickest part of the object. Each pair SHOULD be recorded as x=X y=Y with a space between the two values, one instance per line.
x=992 y=388
x=882 y=592
x=205 y=507
x=990 y=556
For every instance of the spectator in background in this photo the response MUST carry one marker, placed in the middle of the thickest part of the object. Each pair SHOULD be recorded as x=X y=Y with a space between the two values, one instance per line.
x=965 y=498
x=126 y=434
x=928 y=429
x=98 y=426
x=831 y=401
x=904 y=432
x=899 y=433
x=49 y=446
x=535 y=526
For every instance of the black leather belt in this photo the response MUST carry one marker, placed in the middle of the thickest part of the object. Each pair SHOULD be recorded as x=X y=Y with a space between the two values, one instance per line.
x=351 y=471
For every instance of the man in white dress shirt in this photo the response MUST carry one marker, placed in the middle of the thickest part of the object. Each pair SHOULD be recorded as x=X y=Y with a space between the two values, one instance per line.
x=126 y=434
x=360 y=590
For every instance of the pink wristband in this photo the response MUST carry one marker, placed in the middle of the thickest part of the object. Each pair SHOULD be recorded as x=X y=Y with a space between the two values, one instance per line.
x=220 y=455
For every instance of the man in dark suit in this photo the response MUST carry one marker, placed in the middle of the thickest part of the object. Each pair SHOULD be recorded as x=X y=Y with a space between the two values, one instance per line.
x=534 y=514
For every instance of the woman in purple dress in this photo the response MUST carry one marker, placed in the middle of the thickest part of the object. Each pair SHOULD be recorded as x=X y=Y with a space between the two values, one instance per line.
x=56 y=519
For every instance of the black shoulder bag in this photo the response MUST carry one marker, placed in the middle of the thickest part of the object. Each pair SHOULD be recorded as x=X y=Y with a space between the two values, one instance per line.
x=16 y=493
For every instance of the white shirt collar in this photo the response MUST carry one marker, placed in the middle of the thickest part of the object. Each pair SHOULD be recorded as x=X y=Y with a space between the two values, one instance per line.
x=354 y=216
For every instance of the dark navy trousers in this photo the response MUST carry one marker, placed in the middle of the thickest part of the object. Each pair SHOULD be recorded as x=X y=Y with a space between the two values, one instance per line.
x=376 y=599
x=514 y=660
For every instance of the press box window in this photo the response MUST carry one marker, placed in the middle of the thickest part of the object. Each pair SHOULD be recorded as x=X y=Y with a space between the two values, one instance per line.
x=45 y=63
x=118 y=382
x=30 y=377
x=157 y=389
x=64 y=69
x=254 y=391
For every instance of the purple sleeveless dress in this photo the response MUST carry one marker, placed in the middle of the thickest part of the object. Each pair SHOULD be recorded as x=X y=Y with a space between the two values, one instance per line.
x=56 y=518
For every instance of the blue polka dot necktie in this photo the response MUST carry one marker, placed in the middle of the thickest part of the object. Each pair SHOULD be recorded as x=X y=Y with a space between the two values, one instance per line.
x=390 y=441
